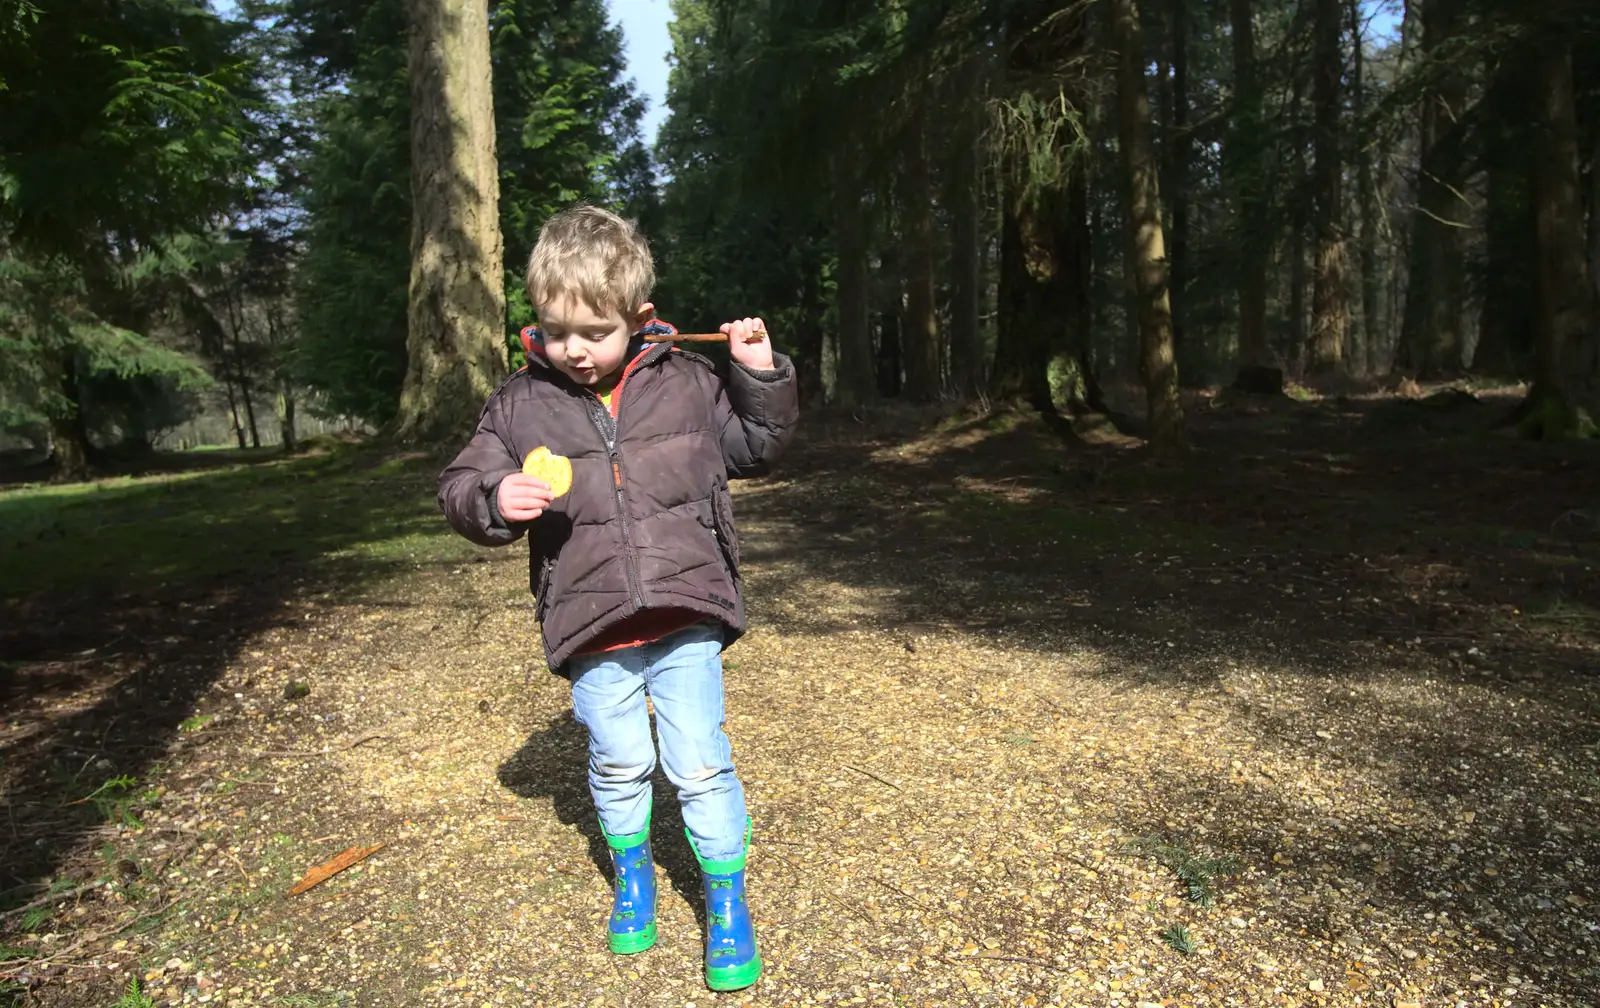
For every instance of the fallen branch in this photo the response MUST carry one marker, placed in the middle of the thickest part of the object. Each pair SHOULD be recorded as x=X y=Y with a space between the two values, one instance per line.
x=874 y=776
x=48 y=898
x=240 y=865
x=986 y=957
x=307 y=753
x=321 y=873
x=33 y=963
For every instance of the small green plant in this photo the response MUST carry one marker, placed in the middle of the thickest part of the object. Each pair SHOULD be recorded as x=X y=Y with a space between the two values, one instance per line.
x=32 y=920
x=1178 y=939
x=194 y=724
x=11 y=953
x=115 y=800
x=1198 y=875
x=109 y=794
x=134 y=997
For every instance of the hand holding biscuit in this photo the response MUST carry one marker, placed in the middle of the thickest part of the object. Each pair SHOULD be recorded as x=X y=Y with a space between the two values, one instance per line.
x=522 y=498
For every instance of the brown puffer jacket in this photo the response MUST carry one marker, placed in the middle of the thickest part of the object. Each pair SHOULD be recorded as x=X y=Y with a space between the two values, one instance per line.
x=648 y=522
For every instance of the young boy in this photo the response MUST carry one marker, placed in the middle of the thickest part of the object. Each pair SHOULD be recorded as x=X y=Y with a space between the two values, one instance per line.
x=635 y=564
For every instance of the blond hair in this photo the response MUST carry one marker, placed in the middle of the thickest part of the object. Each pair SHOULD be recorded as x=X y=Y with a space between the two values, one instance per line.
x=593 y=254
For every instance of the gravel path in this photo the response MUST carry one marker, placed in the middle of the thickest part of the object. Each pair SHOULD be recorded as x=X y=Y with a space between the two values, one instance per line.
x=975 y=782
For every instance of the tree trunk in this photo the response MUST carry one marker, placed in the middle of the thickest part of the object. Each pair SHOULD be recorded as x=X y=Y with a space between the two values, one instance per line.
x=1431 y=337
x=1330 y=311
x=69 y=432
x=854 y=382
x=1564 y=373
x=1178 y=158
x=1364 y=349
x=286 y=402
x=236 y=316
x=456 y=315
x=249 y=409
x=1594 y=216
x=890 y=359
x=1249 y=181
x=1077 y=274
x=1027 y=271
x=813 y=310
x=1158 y=367
x=924 y=356
x=1299 y=219
x=1399 y=261
x=233 y=410
x=966 y=261
x=286 y=419
x=1510 y=274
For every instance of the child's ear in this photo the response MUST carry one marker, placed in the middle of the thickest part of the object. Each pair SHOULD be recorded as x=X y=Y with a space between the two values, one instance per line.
x=647 y=311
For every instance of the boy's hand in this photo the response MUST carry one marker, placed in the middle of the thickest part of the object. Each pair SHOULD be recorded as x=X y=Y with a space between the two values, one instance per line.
x=522 y=498
x=748 y=343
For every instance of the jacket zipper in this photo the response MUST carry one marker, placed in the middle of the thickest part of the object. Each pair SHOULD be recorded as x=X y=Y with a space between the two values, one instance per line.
x=630 y=557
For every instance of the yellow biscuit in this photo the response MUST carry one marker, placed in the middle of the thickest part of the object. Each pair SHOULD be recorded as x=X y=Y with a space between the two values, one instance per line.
x=555 y=470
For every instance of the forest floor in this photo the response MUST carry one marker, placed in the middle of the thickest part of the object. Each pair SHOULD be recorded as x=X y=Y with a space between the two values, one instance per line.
x=1310 y=716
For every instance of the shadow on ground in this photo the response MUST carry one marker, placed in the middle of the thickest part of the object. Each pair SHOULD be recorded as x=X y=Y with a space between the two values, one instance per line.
x=549 y=765
x=125 y=599
x=1429 y=593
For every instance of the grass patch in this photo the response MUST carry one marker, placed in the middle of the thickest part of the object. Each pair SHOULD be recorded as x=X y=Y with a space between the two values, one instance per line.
x=194 y=724
x=127 y=534
x=1199 y=875
x=1084 y=528
x=1562 y=612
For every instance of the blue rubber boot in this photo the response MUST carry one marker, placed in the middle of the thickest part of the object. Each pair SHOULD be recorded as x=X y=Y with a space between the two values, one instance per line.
x=732 y=959
x=632 y=927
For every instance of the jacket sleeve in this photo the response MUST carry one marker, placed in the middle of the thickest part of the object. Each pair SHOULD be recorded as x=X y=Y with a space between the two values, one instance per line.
x=468 y=487
x=757 y=412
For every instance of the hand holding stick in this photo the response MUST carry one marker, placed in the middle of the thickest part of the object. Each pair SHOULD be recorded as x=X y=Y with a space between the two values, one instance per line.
x=747 y=340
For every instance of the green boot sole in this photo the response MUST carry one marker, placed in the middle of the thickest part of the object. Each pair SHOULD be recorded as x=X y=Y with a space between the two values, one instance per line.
x=731 y=978
x=633 y=941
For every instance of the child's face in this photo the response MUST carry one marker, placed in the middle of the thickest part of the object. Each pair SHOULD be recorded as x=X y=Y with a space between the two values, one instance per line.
x=584 y=344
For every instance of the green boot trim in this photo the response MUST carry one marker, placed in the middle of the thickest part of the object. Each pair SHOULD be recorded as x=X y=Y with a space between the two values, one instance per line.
x=727 y=867
x=633 y=941
x=727 y=978
x=629 y=841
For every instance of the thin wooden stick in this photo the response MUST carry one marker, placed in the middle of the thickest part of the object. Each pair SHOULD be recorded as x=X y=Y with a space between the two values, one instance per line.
x=699 y=337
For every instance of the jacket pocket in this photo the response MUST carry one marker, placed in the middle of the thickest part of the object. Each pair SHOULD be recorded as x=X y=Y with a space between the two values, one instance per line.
x=541 y=587
x=722 y=520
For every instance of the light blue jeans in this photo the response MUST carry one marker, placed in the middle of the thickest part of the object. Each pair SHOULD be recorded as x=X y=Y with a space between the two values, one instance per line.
x=682 y=674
